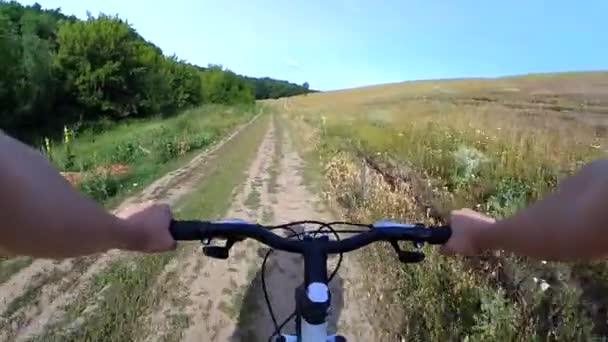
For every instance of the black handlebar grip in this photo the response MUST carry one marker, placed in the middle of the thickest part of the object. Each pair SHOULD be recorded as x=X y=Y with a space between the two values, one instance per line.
x=186 y=230
x=440 y=235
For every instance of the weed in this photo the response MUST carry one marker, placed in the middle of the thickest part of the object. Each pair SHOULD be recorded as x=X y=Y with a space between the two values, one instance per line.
x=253 y=199
x=100 y=186
x=127 y=152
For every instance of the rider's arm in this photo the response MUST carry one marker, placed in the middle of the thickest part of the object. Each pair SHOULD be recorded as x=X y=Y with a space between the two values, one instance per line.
x=41 y=215
x=569 y=224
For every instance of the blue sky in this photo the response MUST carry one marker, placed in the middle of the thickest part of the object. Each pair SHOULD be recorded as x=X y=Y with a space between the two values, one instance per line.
x=336 y=44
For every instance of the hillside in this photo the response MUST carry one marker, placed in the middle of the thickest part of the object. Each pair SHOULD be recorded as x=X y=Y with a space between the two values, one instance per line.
x=414 y=151
x=57 y=70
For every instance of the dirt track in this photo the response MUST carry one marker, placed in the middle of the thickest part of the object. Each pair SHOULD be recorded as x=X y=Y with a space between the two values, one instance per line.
x=221 y=300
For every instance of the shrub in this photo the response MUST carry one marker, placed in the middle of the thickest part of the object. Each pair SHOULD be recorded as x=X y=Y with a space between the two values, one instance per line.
x=100 y=187
x=127 y=152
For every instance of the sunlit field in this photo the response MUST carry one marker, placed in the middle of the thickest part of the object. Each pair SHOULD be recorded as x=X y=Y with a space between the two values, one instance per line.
x=417 y=150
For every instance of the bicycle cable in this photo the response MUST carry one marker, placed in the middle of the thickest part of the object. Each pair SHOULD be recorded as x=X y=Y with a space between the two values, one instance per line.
x=323 y=225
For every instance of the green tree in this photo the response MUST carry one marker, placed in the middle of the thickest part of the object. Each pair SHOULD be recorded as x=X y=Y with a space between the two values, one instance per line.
x=57 y=70
x=224 y=86
x=101 y=66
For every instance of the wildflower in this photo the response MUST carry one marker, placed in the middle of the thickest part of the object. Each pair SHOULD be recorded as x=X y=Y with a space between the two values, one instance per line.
x=469 y=160
x=67 y=135
x=47 y=145
x=544 y=286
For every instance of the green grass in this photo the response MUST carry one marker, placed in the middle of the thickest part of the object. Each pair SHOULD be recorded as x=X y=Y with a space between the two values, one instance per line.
x=8 y=267
x=128 y=283
x=275 y=166
x=179 y=322
x=267 y=216
x=148 y=147
x=224 y=175
x=253 y=200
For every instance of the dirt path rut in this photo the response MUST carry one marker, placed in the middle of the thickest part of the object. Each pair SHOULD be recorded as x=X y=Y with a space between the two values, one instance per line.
x=222 y=300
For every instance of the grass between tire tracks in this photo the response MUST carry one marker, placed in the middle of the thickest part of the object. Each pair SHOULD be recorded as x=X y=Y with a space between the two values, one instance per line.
x=110 y=309
x=275 y=166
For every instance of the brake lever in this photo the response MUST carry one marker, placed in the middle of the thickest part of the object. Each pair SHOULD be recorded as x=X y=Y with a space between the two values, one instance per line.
x=219 y=252
x=407 y=257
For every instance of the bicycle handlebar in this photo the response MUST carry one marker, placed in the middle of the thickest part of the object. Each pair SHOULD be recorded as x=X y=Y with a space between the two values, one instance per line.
x=201 y=230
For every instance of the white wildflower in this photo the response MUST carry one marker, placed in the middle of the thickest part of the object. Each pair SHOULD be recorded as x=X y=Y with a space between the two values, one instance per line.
x=469 y=160
x=544 y=286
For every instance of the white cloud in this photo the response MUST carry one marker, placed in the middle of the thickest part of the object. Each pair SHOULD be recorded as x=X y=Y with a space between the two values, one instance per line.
x=291 y=62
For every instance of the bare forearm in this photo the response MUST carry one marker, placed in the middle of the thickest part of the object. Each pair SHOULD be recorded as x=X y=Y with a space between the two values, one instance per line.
x=42 y=215
x=569 y=224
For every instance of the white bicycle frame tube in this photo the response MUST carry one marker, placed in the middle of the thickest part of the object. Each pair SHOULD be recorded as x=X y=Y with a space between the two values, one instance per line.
x=314 y=332
x=316 y=293
x=319 y=293
x=293 y=338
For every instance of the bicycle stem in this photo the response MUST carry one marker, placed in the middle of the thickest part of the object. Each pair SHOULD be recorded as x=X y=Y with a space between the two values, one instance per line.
x=314 y=300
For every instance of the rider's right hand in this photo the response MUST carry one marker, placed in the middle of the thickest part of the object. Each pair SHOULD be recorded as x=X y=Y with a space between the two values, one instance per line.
x=467 y=227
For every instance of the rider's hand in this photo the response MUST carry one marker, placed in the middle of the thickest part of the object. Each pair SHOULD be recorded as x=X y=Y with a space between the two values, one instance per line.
x=146 y=227
x=467 y=225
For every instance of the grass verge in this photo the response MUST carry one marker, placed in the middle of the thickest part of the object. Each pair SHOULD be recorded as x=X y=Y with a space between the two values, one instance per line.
x=142 y=149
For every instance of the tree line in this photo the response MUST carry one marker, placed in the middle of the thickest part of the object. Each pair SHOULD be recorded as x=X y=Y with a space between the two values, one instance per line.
x=57 y=70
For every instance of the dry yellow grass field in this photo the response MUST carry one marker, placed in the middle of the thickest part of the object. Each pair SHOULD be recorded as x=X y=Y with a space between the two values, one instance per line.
x=416 y=150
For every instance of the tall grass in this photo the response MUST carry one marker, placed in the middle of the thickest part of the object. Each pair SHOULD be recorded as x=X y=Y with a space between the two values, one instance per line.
x=489 y=156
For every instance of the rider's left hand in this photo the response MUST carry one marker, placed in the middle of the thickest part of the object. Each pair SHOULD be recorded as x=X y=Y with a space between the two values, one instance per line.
x=146 y=227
